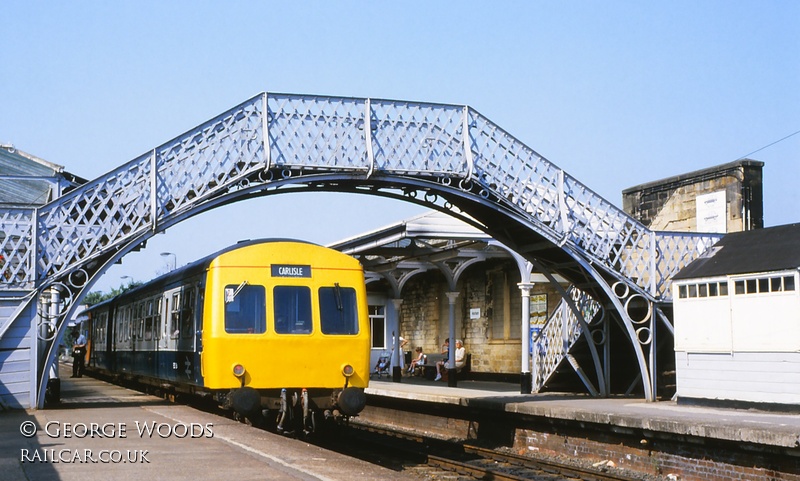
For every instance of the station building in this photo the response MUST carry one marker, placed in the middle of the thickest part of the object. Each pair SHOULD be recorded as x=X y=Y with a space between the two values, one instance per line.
x=737 y=320
x=418 y=268
x=25 y=181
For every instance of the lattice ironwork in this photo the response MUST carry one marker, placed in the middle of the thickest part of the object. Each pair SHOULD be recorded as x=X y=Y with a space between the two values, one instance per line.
x=561 y=331
x=309 y=134
x=673 y=252
x=273 y=140
x=16 y=248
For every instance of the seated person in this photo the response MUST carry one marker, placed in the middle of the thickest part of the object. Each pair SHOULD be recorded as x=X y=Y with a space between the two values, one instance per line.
x=417 y=361
x=461 y=360
x=440 y=365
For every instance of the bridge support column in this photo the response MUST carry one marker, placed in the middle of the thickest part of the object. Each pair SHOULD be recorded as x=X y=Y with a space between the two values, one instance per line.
x=525 y=378
x=397 y=349
x=451 y=355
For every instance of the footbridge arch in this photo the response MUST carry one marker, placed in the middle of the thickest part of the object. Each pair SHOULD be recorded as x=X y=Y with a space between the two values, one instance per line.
x=447 y=157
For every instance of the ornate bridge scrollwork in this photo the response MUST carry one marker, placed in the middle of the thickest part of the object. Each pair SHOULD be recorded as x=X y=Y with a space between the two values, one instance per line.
x=445 y=156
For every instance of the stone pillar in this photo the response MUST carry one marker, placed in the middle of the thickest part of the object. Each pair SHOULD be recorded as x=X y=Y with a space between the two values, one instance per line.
x=525 y=378
x=451 y=363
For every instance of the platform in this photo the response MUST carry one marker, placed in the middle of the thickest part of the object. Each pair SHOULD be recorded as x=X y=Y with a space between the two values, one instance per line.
x=240 y=452
x=183 y=443
x=737 y=425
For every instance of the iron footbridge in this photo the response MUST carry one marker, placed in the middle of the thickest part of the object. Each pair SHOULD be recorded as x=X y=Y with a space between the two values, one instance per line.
x=447 y=157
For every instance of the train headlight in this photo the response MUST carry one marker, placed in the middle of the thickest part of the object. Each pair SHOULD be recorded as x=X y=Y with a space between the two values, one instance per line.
x=238 y=370
x=348 y=370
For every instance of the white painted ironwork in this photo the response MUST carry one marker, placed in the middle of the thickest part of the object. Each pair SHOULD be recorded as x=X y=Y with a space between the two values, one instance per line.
x=560 y=333
x=340 y=135
x=432 y=154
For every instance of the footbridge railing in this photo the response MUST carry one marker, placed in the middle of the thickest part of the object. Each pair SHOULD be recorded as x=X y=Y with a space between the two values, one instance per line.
x=273 y=136
x=562 y=330
x=424 y=151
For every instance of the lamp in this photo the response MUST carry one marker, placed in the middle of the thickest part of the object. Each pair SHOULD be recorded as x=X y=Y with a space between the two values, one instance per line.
x=174 y=259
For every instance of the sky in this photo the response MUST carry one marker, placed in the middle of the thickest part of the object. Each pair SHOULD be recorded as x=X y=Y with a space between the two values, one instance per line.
x=616 y=93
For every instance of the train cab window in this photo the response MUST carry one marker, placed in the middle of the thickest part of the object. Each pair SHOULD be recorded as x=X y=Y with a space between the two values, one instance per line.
x=245 y=309
x=292 y=309
x=337 y=310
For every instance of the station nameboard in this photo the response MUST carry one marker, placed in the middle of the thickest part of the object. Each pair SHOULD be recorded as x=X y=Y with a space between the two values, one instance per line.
x=287 y=270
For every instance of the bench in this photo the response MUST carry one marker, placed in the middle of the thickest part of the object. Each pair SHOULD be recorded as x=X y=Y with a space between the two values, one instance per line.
x=428 y=370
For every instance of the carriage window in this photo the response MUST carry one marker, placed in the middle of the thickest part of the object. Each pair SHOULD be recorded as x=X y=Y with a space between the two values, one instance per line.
x=245 y=309
x=292 y=309
x=187 y=313
x=337 y=310
x=175 y=316
x=148 y=323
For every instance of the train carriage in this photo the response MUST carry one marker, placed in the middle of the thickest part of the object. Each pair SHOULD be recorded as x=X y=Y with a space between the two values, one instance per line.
x=271 y=325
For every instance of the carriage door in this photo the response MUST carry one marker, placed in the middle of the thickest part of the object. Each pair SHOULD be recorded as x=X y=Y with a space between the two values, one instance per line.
x=165 y=313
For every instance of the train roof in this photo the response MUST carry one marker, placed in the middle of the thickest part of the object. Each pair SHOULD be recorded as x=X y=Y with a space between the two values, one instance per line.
x=192 y=268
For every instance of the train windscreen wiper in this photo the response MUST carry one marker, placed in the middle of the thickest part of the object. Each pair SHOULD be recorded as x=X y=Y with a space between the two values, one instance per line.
x=231 y=296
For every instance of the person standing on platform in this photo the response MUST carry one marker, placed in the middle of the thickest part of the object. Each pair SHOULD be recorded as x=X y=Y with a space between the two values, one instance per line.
x=79 y=356
x=398 y=353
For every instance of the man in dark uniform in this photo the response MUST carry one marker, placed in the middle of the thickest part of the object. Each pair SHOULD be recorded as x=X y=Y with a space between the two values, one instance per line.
x=79 y=356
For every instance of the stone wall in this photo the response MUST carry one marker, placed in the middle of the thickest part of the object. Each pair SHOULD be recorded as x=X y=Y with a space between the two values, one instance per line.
x=671 y=204
x=493 y=338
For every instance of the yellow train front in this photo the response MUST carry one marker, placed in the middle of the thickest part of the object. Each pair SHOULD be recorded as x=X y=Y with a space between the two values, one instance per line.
x=285 y=329
x=269 y=327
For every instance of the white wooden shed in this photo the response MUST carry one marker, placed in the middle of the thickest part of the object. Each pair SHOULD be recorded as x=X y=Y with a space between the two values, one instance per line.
x=737 y=320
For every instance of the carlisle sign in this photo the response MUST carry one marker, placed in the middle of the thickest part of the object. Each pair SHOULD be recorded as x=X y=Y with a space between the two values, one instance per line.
x=282 y=270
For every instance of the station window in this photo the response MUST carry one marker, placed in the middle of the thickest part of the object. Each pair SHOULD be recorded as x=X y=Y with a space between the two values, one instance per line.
x=377 y=322
x=703 y=289
x=245 y=309
x=338 y=312
x=292 y=309
x=764 y=285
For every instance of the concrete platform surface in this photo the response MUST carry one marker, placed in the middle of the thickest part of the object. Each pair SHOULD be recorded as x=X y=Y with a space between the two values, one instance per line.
x=102 y=431
x=739 y=425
